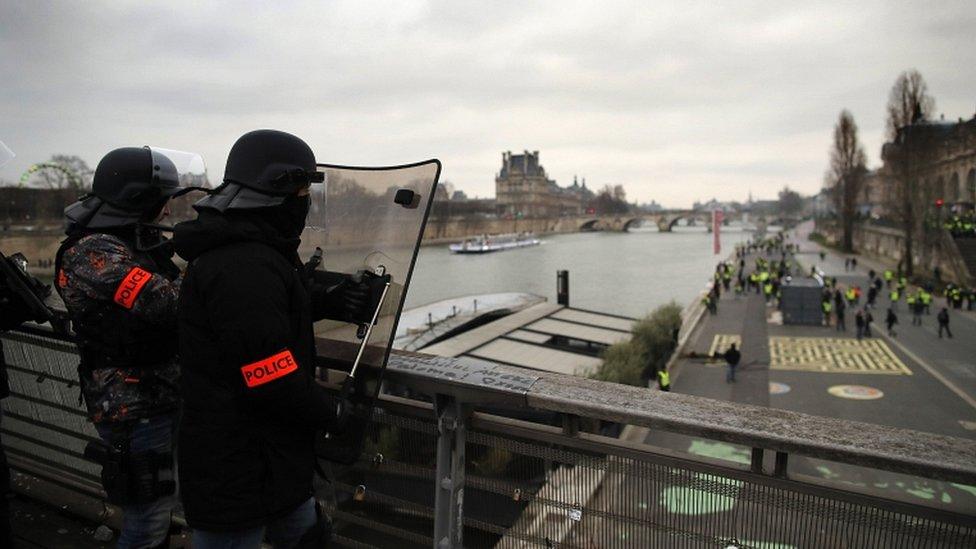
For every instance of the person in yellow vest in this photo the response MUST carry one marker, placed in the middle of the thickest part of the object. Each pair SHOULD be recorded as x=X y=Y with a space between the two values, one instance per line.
x=827 y=307
x=894 y=296
x=914 y=308
x=664 y=380
x=888 y=276
x=926 y=298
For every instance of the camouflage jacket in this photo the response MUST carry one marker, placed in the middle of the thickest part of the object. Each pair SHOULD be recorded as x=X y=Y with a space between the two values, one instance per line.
x=122 y=304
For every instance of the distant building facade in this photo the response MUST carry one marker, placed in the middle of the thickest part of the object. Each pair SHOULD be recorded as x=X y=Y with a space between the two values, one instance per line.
x=523 y=189
x=876 y=194
x=943 y=155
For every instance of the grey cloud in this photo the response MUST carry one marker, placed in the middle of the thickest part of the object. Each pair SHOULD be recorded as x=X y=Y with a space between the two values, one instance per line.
x=634 y=92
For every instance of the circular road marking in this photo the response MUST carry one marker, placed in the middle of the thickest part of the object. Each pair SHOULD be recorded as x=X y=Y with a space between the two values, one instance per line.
x=777 y=388
x=855 y=392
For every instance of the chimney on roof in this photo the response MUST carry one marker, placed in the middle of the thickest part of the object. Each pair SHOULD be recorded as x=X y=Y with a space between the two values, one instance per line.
x=525 y=161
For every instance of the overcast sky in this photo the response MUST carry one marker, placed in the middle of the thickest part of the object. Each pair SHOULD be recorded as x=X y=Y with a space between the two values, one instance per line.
x=676 y=102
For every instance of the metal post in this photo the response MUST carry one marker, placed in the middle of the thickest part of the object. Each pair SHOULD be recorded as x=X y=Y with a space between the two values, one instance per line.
x=449 y=495
x=562 y=288
x=782 y=458
x=756 y=464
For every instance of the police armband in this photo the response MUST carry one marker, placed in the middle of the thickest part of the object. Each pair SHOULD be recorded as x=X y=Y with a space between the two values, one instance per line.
x=132 y=478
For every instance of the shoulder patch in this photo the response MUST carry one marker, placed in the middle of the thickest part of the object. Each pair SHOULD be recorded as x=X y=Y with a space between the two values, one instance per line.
x=130 y=287
x=62 y=278
x=269 y=369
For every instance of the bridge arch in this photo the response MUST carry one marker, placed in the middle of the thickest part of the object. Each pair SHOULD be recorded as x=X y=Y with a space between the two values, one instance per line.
x=590 y=225
x=634 y=221
x=690 y=217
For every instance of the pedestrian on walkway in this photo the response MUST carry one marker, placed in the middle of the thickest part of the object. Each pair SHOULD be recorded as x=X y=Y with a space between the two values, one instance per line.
x=868 y=319
x=853 y=263
x=859 y=323
x=732 y=357
x=890 y=320
x=917 y=309
x=823 y=256
x=894 y=296
x=839 y=313
x=664 y=379
x=847 y=264
x=871 y=275
x=944 y=322
x=872 y=295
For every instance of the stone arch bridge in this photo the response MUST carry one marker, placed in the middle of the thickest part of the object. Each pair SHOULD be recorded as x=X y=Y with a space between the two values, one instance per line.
x=665 y=221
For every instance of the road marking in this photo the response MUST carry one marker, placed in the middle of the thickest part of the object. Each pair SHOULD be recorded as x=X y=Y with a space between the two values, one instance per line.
x=855 y=392
x=777 y=388
x=968 y=425
x=931 y=369
x=834 y=355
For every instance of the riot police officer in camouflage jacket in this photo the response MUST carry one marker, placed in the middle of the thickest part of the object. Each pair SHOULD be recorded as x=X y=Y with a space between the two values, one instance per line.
x=120 y=286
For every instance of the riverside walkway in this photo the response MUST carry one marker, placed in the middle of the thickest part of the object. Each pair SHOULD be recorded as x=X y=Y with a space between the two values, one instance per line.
x=915 y=381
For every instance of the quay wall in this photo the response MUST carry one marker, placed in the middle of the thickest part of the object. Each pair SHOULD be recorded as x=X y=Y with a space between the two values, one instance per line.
x=41 y=245
x=887 y=244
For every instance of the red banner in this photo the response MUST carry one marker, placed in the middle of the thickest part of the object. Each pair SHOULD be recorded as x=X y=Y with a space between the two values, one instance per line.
x=717 y=216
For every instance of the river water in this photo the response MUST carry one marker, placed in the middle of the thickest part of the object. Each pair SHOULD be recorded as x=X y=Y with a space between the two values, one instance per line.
x=621 y=273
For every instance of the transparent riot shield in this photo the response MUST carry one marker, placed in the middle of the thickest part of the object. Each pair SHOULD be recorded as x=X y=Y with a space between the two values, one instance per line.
x=368 y=219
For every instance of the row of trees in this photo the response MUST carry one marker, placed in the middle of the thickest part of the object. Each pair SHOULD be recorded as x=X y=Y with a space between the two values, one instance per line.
x=610 y=200
x=62 y=172
x=909 y=103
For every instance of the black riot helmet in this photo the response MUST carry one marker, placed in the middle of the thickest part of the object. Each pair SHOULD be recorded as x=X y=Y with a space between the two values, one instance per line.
x=264 y=167
x=130 y=185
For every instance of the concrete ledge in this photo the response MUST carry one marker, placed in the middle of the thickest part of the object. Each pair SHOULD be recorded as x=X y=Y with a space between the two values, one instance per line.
x=856 y=443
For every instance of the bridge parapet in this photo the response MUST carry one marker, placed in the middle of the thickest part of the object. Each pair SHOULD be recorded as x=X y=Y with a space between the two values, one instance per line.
x=494 y=455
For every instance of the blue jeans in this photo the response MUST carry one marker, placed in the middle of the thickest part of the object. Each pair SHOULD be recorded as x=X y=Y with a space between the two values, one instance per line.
x=730 y=373
x=146 y=525
x=283 y=533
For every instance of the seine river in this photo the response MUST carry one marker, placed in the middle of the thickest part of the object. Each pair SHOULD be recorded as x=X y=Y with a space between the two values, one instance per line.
x=621 y=273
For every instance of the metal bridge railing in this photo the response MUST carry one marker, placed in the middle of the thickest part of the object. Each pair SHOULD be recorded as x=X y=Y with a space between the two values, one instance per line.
x=481 y=455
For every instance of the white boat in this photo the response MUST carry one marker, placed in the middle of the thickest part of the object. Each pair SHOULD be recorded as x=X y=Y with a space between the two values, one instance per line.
x=493 y=243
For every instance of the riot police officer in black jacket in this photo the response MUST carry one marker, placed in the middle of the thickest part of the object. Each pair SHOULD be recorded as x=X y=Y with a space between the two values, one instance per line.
x=252 y=407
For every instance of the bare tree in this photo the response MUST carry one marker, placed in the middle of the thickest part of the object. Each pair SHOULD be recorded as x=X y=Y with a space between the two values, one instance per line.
x=790 y=201
x=75 y=174
x=845 y=176
x=908 y=104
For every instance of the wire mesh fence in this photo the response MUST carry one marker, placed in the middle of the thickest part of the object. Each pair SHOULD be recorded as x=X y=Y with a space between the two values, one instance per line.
x=521 y=492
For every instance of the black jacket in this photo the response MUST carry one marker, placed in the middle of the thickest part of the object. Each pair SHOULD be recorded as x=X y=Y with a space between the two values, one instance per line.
x=251 y=406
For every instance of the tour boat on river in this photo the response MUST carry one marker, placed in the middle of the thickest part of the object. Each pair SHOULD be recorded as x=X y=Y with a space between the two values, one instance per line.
x=493 y=243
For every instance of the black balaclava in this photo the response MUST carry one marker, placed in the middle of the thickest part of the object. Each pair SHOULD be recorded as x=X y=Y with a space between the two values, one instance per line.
x=289 y=217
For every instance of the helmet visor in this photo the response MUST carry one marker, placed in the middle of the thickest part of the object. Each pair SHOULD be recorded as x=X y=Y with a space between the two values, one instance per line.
x=178 y=171
x=6 y=155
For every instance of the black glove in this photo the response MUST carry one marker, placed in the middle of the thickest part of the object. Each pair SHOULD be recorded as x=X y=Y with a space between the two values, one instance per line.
x=338 y=296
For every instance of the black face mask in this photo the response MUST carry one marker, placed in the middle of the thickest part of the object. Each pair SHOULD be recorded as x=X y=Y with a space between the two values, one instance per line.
x=294 y=210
